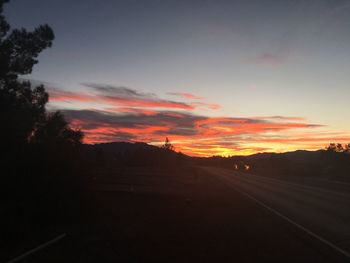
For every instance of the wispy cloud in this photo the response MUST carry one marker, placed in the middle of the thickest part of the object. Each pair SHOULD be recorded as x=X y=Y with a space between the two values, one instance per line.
x=125 y=114
x=186 y=95
x=280 y=118
x=114 y=97
x=193 y=134
x=205 y=105
x=118 y=91
x=58 y=95
x=128 y=97
x=117 y=96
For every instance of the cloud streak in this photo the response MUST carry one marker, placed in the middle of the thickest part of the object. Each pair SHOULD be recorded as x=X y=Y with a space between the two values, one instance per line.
x=186 y=95
x=112 y=96
x=58 y=95
x=125 y=114
x=192 y=134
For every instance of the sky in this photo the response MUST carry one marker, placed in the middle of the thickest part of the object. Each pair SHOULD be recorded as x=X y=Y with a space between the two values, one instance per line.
x=216 y=77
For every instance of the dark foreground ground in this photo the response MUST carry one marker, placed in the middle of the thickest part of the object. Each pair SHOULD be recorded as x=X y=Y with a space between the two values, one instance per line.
x=182 y=215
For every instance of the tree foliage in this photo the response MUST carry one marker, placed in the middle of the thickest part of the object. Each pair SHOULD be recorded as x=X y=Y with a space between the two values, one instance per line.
x=21 y=110
x=167 y=145
x=39 y=153
x=19 y=48
x=55 y=131
x=338 y=147
x=22 y=107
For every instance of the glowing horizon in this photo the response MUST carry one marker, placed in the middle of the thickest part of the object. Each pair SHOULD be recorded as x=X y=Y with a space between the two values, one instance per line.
x=216 y=77
x=108 y=114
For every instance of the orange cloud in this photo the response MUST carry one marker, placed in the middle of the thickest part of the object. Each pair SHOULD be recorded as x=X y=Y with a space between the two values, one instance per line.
x=193 y=134
x=131 y=115
x=57 y=95
x=109 y=96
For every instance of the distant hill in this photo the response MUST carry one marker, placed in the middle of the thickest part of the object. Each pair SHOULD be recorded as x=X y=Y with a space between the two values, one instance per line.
x=322 y=163
x=121 y=147
x=299 y=156
x=132 y=154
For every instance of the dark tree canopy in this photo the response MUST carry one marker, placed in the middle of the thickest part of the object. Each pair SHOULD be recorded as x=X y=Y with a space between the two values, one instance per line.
x=167 y=145
x=22 y=107
x=55 y=131
x=338 y=147
x=20 y=48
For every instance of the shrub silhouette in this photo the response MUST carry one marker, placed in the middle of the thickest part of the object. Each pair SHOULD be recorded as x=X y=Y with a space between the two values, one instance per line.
x=167 y=145
x=54 y=131
x=39 y=151
x=22 y=107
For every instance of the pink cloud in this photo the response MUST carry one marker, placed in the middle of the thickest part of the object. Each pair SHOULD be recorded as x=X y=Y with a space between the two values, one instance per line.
x=196 y=135
x=57 y=95
x=186 y=95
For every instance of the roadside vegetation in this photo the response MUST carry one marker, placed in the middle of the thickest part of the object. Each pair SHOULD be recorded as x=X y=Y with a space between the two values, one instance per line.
x=39 y=150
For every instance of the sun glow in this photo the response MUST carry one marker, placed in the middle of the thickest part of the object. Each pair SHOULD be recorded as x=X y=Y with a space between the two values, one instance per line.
x=129 y=115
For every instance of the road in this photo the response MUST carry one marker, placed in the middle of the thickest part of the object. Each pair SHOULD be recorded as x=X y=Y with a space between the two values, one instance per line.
x=319 y=208
x=205 y=215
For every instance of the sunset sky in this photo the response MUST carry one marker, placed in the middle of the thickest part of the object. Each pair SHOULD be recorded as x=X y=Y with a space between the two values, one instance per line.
x=216 y=77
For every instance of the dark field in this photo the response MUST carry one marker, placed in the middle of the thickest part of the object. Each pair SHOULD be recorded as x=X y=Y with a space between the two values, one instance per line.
x=182 y=215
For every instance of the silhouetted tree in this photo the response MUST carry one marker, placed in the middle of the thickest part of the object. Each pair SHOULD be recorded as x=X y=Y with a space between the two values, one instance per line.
x=20 y=48
x=167 y=145
x=54 y=130
x=22 y=108
x=38 y=153
x=338 y=147
x=331 y=147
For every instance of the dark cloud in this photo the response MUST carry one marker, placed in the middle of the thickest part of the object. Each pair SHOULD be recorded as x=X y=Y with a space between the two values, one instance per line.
x=117 y=96
x=110 y=90
x=174 y=122
x=124 y=97
x=209 y=132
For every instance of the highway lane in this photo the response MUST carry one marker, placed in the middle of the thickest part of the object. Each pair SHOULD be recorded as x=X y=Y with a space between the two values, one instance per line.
x=182 y=216
x=323 y=210
x=325 y=184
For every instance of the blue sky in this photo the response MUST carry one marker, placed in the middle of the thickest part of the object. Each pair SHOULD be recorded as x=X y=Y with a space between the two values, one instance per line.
x=253 y=58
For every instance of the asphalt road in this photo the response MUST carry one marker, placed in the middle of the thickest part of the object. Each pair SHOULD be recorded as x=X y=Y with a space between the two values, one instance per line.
x=204 y=215
x=319 y=208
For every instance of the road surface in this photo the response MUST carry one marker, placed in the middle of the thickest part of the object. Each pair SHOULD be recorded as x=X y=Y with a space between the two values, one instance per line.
x=204 y=215
x=319 y=208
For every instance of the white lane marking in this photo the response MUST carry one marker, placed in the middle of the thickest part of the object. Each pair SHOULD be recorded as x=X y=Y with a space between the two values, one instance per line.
x=311 y=233
x=32 y=251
